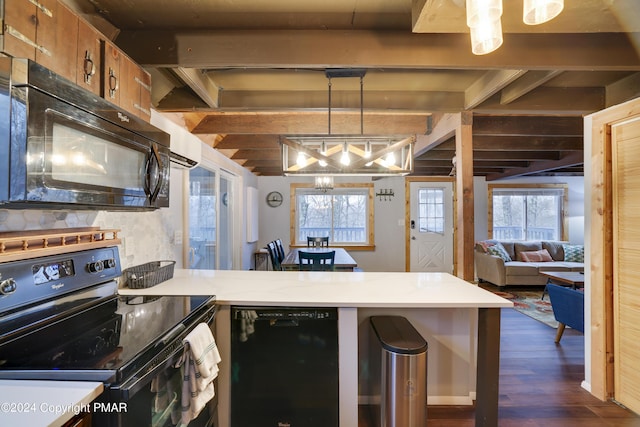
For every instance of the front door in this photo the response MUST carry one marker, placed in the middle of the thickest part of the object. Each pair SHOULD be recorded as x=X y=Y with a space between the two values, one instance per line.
x=431 y=227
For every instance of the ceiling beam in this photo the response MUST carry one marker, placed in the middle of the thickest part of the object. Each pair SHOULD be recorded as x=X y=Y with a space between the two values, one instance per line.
x=525 y=84
x=570 y=160
x=308 y=123
x=399 y=49
x=248 y=142
x=488 y=85
x=487 y=125
x=623 y=90
x=200 y=84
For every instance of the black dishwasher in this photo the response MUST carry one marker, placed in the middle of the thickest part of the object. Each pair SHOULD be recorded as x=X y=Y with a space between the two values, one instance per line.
x=284 y=367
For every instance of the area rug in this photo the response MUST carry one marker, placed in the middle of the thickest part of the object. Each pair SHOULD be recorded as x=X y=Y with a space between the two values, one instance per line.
x=529 y=303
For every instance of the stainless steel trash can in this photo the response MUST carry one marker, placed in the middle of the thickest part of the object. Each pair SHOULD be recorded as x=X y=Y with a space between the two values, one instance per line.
x=398 y=370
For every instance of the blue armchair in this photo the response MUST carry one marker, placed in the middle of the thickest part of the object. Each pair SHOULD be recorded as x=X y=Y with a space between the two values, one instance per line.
x=568 y=308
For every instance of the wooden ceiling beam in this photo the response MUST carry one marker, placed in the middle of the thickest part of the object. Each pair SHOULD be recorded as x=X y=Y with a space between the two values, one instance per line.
x=257 y=154
x=248 y=142
x=525 y=84
x=487 y=125
x=400 y=49
x=488 y=85
x=407 y=101
x=310 y=123
x=570 y=160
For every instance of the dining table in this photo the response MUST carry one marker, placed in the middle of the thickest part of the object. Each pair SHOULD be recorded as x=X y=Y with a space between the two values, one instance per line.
x=342 y=262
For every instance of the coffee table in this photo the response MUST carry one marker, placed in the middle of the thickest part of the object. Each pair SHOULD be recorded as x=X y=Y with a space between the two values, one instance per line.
x=563 y=278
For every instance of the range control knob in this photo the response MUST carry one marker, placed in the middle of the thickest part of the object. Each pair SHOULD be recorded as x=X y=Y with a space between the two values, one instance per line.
x=109 y=263
x=95 y=267
x=8 y=286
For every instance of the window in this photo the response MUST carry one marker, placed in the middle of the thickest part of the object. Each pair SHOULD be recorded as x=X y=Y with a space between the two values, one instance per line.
x=345 y=214
x=431 y=210
x=527 y=212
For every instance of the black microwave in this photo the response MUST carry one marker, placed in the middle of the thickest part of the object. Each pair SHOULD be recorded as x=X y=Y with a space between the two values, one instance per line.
x=63 y=147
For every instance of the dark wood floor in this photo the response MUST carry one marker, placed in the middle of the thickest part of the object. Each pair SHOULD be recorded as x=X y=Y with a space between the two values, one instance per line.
x=539 y=383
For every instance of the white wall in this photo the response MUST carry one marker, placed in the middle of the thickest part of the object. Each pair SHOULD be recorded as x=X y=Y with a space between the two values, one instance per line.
x=389 y=233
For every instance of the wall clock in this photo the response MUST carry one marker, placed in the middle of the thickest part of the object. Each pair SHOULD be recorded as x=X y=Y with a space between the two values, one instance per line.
x=274 y=199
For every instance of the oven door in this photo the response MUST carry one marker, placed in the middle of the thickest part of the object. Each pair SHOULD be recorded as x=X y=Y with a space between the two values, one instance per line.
x=75 y=157
x=153 y=396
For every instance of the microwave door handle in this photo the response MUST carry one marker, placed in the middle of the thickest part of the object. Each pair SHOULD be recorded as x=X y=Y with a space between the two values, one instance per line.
x=154 y=157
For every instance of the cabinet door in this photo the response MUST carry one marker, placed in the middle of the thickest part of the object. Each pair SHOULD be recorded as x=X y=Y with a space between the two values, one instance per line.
x=19 y=29
x=57 y=33
x=135 y=82
x=111 y=78
x=88 y=62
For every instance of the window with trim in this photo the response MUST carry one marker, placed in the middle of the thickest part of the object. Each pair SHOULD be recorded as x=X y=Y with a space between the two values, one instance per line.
x=345 y=214
x=527 y=212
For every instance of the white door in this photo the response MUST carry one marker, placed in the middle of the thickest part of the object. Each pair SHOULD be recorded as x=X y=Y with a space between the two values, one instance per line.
x=431 y=227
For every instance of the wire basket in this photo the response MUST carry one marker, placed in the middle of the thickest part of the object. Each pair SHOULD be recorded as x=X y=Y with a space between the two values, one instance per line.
x=149 y=274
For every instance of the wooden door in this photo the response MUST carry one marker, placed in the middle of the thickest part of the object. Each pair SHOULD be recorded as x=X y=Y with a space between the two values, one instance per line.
x=88 y=64
x=19 y=29
x=59 y=48
x=625 y=140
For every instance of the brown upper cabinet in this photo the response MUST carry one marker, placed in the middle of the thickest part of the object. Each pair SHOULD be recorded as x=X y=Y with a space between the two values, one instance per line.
x=50 y=33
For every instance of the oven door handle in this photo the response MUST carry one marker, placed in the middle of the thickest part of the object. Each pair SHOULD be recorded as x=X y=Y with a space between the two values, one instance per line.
x=153 y=162
x=128 y=389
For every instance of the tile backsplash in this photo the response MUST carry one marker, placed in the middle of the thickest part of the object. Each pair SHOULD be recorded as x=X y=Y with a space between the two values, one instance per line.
x=146 y=236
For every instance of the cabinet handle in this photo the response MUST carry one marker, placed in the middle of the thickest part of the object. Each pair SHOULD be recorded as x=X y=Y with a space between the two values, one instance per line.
x=89 y=67
x=17 y=34
x=113 y=83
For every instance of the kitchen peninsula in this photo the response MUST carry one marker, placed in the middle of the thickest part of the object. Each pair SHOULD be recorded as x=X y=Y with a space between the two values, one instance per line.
x=441 y=307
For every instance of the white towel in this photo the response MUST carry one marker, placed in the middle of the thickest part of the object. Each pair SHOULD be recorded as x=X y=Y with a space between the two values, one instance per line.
x=200 y=358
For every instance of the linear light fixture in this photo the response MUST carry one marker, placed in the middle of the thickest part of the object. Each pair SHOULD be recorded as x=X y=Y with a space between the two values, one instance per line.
x=326 y=155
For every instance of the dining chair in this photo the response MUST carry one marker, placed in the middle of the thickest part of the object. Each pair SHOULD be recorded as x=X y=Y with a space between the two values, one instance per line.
x=318 y=242
x=316 y=261
x=273 y=254
x=280 y=248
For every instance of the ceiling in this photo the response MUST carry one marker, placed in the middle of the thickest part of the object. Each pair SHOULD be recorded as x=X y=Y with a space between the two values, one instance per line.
x=241 y=73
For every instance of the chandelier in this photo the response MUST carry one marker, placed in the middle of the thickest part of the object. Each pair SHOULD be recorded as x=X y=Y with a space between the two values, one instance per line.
x=328 y=155
x=324 y=183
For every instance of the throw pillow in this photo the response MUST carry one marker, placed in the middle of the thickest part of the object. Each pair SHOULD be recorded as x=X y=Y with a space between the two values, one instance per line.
x=485 y=244
x=500 y=251
x=536 y=256
x=573 y=253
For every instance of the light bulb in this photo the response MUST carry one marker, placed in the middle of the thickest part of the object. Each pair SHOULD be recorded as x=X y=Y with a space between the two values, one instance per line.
x=367 y=150
x=390 y=159
x=301 y=160
x=345 y=159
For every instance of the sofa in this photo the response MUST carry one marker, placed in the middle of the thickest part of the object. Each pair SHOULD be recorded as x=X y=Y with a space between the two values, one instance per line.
x=503 y=262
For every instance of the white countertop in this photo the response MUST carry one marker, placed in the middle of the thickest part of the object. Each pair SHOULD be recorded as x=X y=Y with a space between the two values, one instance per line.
x=44 y=403
x=327 y=289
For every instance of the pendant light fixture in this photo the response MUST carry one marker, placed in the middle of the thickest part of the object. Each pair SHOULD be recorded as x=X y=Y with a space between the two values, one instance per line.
x=484 y=22
x=537 y=12
x=483 y=11
x=348 y=154
x=486 y=37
